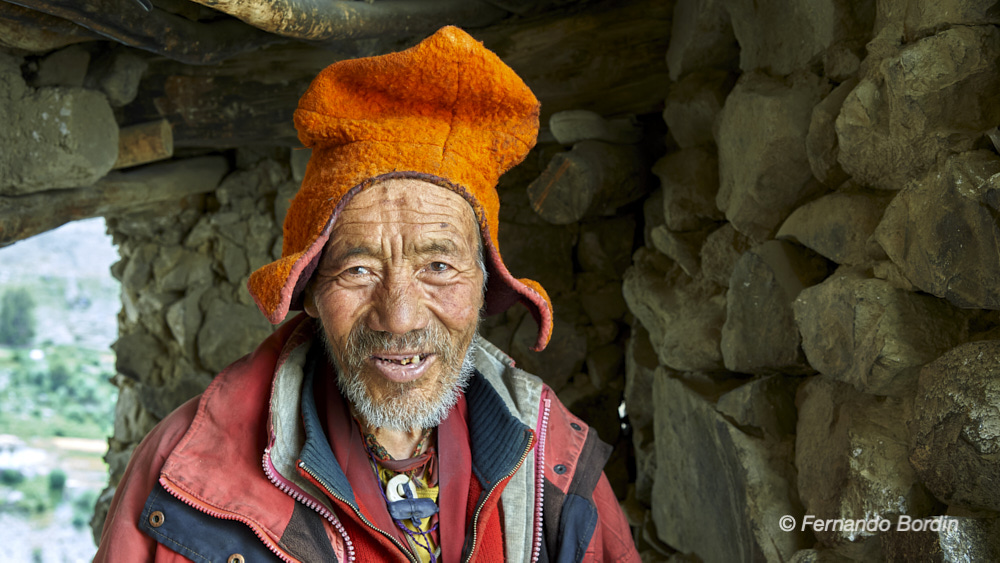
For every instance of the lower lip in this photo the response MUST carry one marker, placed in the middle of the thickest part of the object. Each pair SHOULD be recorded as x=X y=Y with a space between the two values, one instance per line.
x=399 y=373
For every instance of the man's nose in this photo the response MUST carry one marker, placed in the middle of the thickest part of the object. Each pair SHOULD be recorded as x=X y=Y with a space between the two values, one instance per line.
x=399 y=306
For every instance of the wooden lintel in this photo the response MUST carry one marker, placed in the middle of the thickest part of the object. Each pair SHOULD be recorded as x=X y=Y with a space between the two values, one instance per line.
x=119 y=192
x=144 y=143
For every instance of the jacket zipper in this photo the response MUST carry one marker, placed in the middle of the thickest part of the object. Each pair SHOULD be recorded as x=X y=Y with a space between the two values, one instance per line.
x=475 y=517
x=263 y=537
x=536 y=549
x=406 y=552
x=309 y=502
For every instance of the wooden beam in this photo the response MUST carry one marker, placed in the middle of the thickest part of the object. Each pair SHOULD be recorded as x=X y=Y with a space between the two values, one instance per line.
x=608 y=58
x=321 y=20
x=119 y=192
x=21 y=28
x=144 y=143
x=158 y=31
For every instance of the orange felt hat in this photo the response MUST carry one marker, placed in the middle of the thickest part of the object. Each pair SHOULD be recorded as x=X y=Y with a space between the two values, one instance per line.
x=447 y=111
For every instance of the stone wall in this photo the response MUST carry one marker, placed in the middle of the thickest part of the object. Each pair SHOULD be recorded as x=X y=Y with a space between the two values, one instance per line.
x=186 y=313
x=815 y=302
x=788 y=278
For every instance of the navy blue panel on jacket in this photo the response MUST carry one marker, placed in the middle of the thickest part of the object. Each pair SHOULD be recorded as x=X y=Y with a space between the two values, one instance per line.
x=196 y=535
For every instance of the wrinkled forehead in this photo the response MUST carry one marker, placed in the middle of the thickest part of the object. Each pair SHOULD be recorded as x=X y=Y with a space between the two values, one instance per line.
x=412 y=194
x=410 y=207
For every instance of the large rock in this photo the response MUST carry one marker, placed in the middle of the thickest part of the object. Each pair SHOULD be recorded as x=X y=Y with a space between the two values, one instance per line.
x=118 y=75
x=837 y=225
x=919 y=18
x=763 y=167
x=821 y=141
x=229 y=331
x=161 y=400
x=65 y=67
x=719 y=493
x=601 y=298
x=760 y=335
x=561 y=359
x=184 y=318
x=521 y=246
x=851 y=456
x=700 y=37
x=944 y=231
x=928 y=100
x=955 y=433
x=682 y=248
x=782 y=36
x=176 y=269
x=605 y=245
x=869 y=334
x=767 y=403
x=53 y=137
x=957 y=539
x=722 y=248
x=693 y=105
x=573 y=126
x=690 y=181
x=135 y=355
x=684 y=316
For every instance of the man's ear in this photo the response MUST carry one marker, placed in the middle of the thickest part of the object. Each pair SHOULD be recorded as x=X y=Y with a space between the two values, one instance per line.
x=309 y=301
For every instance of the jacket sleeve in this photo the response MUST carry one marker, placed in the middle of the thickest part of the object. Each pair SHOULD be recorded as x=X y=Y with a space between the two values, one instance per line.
x=612 y=539
x=583 y=520
x=121 y=538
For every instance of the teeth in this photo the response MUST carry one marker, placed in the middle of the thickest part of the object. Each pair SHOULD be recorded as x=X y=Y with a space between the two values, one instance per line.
x=413 y=360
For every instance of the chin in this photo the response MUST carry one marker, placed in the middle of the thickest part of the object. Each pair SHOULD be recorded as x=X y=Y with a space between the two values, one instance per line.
x=422 y=403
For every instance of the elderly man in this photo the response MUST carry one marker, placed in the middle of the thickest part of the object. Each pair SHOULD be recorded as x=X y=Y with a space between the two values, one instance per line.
x=377 y=426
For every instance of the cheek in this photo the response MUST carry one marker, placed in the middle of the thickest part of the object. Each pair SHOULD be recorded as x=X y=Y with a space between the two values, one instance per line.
x=339 y=311
x=458 y=305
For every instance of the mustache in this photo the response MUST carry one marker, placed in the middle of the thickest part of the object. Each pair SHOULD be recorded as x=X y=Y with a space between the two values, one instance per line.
x=363 y=343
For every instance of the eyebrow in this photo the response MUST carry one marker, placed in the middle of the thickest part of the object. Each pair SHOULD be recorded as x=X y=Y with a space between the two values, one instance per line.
x=443 y=246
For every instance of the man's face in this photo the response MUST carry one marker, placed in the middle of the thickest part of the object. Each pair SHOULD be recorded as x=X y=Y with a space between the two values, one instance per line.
x=398 y=291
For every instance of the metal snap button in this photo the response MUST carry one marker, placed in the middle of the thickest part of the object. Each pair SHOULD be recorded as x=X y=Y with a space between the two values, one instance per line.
x=156 y=519
x=235 y=558
x=559 y=469
x=575 y=426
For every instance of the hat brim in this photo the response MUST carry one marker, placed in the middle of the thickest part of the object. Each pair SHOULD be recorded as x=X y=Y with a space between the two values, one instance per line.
x=280 y=286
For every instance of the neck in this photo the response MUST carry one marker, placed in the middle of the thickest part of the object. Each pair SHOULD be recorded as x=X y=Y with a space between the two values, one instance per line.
x=399 y=443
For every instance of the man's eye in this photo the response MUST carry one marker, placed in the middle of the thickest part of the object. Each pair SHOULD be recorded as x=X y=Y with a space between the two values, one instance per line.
x=438 y=267
x=358 y=271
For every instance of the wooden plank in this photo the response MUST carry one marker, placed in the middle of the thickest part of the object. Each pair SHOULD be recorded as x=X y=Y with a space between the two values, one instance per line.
x=158 y=31
x=21 y=28
x=144 y=143
x=609 y=58
x=119 y=192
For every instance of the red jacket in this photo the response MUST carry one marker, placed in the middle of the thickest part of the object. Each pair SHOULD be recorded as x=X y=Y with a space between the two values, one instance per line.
x=246 y=472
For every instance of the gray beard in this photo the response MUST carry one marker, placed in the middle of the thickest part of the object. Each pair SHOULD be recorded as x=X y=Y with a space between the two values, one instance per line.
x=406 y=409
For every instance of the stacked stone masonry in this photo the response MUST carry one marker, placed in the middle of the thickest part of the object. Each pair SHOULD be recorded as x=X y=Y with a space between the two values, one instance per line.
x=788 y=278
x=815 y=306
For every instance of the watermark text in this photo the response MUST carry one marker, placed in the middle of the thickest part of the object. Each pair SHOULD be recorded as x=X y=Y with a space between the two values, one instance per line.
x=874 y=524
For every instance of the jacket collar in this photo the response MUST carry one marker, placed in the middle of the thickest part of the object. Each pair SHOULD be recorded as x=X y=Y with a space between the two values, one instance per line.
x=497 y=438
x=501 y=400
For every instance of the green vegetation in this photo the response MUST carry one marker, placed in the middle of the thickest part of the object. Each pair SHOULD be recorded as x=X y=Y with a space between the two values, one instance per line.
x=83 y=509
x=35 y=496
x=47 y=392
x=66 y=391
x=17 y=317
